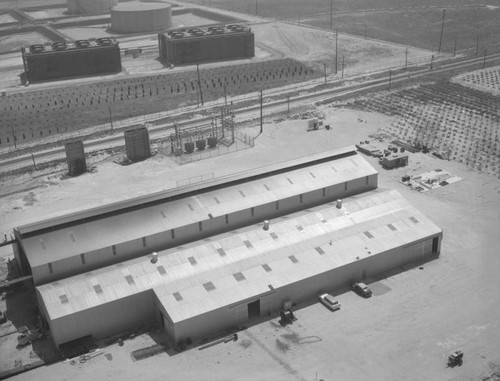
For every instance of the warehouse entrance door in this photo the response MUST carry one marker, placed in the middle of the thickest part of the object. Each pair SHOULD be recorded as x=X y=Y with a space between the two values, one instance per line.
x=435 y=245
x=254 y=309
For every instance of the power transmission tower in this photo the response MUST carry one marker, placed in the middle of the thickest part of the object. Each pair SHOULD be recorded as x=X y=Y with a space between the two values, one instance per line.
x=261 y=121
x=331 y=14
x=336 y=49
x=442 y=30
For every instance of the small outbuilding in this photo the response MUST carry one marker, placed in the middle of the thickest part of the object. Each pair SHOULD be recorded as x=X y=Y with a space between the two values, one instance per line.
x=394 y=161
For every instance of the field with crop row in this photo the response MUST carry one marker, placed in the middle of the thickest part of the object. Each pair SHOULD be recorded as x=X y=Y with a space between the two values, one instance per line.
x=409 y=22
x=456 y=122
x=485 y=80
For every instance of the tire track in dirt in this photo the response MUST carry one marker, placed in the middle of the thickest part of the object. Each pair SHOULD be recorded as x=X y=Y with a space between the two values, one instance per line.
x=278 y=359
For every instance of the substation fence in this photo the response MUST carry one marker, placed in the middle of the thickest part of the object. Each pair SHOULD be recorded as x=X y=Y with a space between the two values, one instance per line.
x=224 y=146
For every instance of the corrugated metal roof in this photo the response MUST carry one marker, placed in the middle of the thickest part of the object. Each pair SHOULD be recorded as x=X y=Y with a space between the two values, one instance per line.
x=138 y=202
x=186 y=290
x=101 y=233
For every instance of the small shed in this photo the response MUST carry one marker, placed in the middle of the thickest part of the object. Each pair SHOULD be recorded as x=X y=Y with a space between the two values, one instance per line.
x=394 y=161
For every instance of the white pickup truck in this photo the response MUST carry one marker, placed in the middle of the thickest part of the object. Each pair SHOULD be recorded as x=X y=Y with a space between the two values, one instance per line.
x=329 y=302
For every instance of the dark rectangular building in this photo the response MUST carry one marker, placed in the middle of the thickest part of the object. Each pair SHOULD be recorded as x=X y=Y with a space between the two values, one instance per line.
x=66 y=60
x=213 y=43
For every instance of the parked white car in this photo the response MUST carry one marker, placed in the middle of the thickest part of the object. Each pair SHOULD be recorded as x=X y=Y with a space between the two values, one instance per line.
x=329 y=302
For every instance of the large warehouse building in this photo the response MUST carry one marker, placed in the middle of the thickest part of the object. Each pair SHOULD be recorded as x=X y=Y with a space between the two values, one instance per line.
x=81 y=242
x=66 y=60
x=139 y=17
x=206 y=44
x=96 y=277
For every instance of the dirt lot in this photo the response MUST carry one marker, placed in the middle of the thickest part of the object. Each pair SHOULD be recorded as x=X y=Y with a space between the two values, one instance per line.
x=317 y=47
x=405 y=331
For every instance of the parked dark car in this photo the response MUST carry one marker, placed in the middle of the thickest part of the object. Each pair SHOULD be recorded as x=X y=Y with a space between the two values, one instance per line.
x=361 y=289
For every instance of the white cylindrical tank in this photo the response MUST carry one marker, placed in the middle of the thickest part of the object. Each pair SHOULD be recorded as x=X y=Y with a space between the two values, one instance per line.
x=138 y=17
x=91 y=6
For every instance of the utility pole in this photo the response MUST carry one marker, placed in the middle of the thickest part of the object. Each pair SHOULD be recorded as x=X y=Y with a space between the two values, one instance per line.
x=225 y=95
x=406 y=59
x=110 y=117
x=222 y=124
x=484 y=59
x=432 y=61
x=343 y=66
x=33 y=158
x=261 y=121
x=199 y=81
x=442 y=30
x=324 y=70
x=336 y=49
x=13 y=135
x=455 y=47
x=331 y=14
x=390 y=77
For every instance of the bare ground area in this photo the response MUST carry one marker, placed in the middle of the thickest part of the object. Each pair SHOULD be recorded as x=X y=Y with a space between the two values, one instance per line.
x=405 y=331
x=317 y=47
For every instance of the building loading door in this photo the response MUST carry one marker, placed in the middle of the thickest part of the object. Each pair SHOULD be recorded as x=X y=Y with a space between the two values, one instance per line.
x=254 y=309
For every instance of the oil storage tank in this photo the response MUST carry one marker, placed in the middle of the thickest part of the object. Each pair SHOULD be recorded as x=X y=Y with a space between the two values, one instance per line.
x=137 y=144
x=136 y=17
x=91 y=6
x=75 y=157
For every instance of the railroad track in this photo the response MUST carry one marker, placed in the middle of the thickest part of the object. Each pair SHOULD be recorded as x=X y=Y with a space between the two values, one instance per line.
x=278 y=106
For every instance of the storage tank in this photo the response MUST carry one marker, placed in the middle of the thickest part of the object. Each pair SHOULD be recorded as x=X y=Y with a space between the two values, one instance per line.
x=75 y=156
x=138 y=17
x=137 y=144
x=91 y=6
